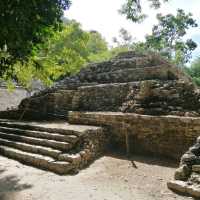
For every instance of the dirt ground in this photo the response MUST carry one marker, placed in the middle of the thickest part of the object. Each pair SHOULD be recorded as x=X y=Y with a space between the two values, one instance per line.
x=108 y=178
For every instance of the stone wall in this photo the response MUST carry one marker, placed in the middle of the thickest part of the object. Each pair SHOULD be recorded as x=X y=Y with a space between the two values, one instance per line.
x=149 y=97
x=187 y=176
x=123 y=68
x=102 y=97
x=130 y=82
x=168 y=136
x=51 y=105
x=123 y=75
x=94 y=145
x=156 y=97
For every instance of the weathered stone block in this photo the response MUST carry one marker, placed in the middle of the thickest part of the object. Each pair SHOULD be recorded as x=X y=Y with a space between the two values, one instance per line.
x=182 y=173
x=196 y=168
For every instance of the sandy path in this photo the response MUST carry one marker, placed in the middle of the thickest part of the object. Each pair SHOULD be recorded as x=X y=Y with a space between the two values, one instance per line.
x=108 y=178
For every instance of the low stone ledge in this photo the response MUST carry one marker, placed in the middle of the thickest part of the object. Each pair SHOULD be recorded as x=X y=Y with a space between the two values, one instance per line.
x=196 y=168
x=187 y=176
x=183 y=188
x=178 y=186
x=94 y=144
x=168 y=136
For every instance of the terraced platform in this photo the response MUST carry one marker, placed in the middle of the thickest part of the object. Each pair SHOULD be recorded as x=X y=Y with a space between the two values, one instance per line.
x=145 y=104
x=54 y=146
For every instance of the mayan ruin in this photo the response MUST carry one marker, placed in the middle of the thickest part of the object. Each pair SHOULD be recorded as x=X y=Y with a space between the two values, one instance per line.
x=99 y=100
x=140 y=99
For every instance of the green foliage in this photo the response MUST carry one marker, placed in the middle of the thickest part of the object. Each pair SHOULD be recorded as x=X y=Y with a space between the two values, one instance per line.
x=63 y=54
x=5 y=61
x=102 y=56
x=124 y=40
x=166 y=37
x=25 y=25
x=133 y=9
x=96 y=44
x=194 y=71
x=97 y=47
x=66 y=51
x=24 y=73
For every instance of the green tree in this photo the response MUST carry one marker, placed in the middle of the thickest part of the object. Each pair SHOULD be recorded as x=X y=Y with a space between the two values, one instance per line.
x=194 y=71
x=125 y=42
x=132 y=9
x=25 y=25
x=97 y=47
x=125 y=39
x=167 y=37
x=96 y=43
x=62 y=54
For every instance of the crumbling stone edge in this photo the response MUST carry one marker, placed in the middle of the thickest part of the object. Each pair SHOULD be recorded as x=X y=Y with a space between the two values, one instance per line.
x=93 y=145
x=187 y=176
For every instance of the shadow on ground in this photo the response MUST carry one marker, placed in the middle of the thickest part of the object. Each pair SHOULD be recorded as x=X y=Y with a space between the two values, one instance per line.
x=151 y=160
x=10 y=185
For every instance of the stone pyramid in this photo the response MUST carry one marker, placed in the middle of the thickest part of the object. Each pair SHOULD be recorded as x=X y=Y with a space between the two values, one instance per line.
x=130 y=82
x=142 y=84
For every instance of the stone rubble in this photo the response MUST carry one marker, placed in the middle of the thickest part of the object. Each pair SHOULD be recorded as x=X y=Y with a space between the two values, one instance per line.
x=187 y=176
x=159 y=97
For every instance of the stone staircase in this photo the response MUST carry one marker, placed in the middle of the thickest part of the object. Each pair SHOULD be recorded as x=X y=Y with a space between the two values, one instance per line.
x=57 y=147
x=143 y=84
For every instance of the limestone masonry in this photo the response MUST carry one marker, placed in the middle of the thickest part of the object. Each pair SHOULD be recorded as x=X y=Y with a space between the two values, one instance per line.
x=139 y=100
x=187 y=176
x=143 y=84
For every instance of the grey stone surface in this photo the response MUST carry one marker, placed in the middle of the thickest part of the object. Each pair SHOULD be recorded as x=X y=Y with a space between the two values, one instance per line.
x=143 y=84
x=188 y=173
x=196 y=168
x=166 y=136
x=130 y=82
x=54 y=146
x=182 y=173
x=184 y=188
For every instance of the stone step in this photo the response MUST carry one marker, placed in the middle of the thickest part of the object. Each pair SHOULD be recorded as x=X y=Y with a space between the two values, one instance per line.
x=46 y=151
x=113 y=65
x=35 y=160
x=73 y=158
x=63 y=146
x=182 y=187
x=39 y=144
x=196 y=168
x=134 y=74
x=39 y=134
x=36 y=127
